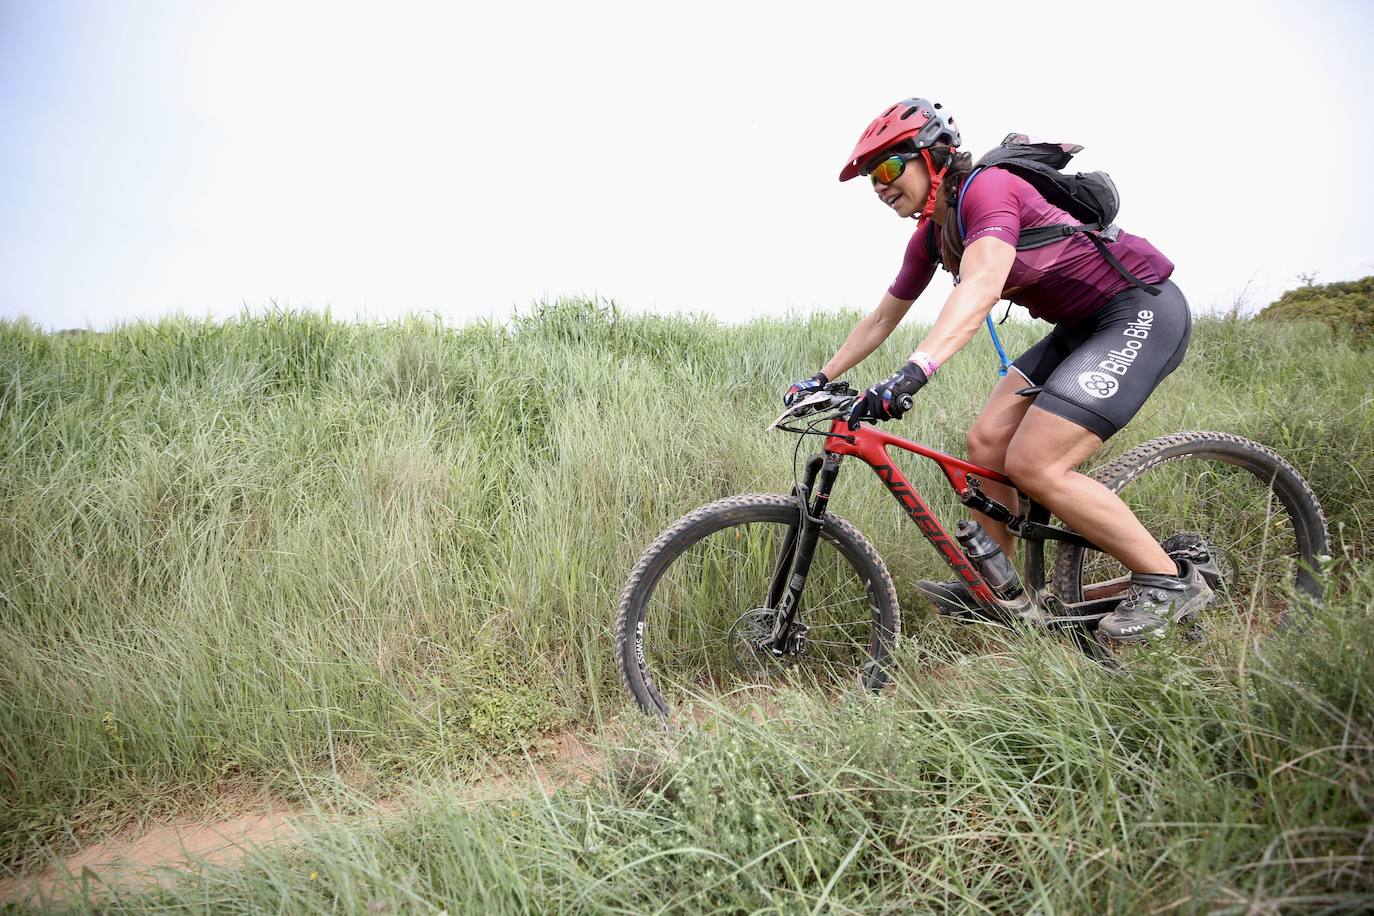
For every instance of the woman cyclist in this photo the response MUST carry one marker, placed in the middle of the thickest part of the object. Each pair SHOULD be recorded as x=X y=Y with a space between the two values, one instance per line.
x=1112 y=343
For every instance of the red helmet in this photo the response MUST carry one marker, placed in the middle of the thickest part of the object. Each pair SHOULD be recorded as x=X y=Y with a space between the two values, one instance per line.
x=915 y=120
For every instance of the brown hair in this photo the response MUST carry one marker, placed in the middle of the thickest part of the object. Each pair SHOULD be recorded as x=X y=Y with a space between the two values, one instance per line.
x=946 y=201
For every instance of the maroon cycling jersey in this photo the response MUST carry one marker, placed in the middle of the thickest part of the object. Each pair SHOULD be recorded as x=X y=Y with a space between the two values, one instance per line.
x=1061 y=282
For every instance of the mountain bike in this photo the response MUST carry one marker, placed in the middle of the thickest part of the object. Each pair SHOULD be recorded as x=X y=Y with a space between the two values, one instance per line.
x=760 y=585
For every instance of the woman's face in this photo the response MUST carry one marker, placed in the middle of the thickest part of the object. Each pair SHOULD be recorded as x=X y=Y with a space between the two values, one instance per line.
x=908 y=191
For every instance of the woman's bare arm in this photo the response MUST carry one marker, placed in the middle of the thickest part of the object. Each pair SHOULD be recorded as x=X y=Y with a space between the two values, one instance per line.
x=982 y=277
x=868 y=335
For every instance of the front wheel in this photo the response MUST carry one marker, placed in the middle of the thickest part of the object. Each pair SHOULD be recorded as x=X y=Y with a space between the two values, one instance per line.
x=1251 y=510
x=695 y=612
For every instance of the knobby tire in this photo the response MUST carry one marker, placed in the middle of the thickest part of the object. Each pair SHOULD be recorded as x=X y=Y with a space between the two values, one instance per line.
x=1159 y=478
x=675 y=551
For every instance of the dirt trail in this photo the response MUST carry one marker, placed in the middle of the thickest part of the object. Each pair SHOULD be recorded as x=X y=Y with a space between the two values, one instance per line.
x=145 y=856
x=157 y=853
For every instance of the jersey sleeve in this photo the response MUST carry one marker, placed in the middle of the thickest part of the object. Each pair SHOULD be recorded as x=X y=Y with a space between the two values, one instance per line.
x=917 y=267
x=992 y=207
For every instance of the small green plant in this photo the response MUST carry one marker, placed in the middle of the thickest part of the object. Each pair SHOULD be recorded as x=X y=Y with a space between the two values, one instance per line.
x=506 y=719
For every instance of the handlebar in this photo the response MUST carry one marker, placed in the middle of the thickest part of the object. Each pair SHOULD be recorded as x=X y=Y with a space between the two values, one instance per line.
x=836 y=396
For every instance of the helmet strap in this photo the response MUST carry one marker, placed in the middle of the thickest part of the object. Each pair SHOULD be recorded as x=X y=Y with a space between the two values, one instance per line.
x=936 y=178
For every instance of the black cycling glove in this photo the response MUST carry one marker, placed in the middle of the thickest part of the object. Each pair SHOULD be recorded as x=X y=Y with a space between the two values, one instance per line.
x=804 y=387
x=886 y=400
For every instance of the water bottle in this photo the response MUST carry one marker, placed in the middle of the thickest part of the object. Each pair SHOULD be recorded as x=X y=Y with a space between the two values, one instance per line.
x=987 y=555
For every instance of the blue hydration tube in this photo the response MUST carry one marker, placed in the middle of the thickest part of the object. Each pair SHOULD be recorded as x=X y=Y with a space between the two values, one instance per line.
x=1003 y=363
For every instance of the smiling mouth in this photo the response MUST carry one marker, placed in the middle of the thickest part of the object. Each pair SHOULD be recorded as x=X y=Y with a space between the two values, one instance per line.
x=892 y=199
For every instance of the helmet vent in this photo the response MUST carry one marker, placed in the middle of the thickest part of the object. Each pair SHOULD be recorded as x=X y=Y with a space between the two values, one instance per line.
x=913 y=123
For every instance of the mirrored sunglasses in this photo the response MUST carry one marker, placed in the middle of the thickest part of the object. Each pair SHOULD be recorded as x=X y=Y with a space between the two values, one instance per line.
x=890 y=169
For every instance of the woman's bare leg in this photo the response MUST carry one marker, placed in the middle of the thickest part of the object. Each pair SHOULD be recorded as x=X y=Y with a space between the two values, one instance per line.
x=1041 y=459
x=988 y=440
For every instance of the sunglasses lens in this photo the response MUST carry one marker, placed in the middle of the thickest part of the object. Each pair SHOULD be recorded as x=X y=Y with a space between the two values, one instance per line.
x=888 y=170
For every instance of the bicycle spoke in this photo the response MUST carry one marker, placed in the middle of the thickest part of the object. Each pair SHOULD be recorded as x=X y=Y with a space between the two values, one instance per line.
x=1221 y=490
x=698 y=623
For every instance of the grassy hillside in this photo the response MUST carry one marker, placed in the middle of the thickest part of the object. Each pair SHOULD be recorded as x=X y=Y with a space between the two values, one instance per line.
x=1014 y=779
x=279 y=549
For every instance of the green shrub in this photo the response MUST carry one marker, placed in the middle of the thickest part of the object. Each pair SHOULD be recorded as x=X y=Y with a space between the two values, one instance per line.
x=1020 y=779
x=1347 y=308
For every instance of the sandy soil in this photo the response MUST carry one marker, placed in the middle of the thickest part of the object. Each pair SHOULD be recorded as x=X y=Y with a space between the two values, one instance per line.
x=156 y=853
x=142 y=857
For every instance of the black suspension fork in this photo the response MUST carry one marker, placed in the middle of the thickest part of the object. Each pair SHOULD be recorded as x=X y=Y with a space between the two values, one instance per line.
x=799 y=546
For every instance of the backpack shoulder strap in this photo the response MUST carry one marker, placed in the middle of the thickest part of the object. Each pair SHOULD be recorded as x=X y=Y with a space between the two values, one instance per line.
x=1003 y=362
x=959 y=203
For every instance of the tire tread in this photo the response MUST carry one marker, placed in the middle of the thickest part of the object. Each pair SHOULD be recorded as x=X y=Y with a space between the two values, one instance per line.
x=1305 y=508
x=716 y=516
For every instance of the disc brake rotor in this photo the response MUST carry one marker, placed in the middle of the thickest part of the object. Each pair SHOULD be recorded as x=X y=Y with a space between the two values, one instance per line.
x=748 y=634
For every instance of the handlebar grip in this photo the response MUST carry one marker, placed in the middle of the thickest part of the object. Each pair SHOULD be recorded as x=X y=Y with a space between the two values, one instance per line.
x=904 y=402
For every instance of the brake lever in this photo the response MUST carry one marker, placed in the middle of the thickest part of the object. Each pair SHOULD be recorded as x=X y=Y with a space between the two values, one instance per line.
x=797 y=407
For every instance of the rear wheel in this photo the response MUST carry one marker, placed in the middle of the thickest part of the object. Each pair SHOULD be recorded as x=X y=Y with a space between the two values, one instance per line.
x=1212 y=494
x=695 y=610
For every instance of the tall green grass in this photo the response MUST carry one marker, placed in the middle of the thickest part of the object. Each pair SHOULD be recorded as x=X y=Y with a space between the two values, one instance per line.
x=1017 y=779
x=243 y=552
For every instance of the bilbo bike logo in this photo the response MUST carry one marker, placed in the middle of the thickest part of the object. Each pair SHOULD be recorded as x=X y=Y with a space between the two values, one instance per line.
x=1100 y=382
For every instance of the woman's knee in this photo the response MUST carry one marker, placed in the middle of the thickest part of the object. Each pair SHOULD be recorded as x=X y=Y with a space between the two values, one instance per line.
x=1033 y=471
x=987 y=445
x=996 y=424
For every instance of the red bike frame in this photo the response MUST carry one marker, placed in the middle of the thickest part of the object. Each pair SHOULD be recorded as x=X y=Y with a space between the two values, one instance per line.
x=869 y=444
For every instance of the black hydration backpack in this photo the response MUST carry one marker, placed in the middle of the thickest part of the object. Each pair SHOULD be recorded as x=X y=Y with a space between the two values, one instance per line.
x=1090 y=197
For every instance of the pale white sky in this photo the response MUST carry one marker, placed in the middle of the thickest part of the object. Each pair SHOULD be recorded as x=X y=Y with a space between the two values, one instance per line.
x=471 y=158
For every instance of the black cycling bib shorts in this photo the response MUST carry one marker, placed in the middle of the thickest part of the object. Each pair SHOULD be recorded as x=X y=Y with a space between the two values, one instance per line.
x=1098 y=372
